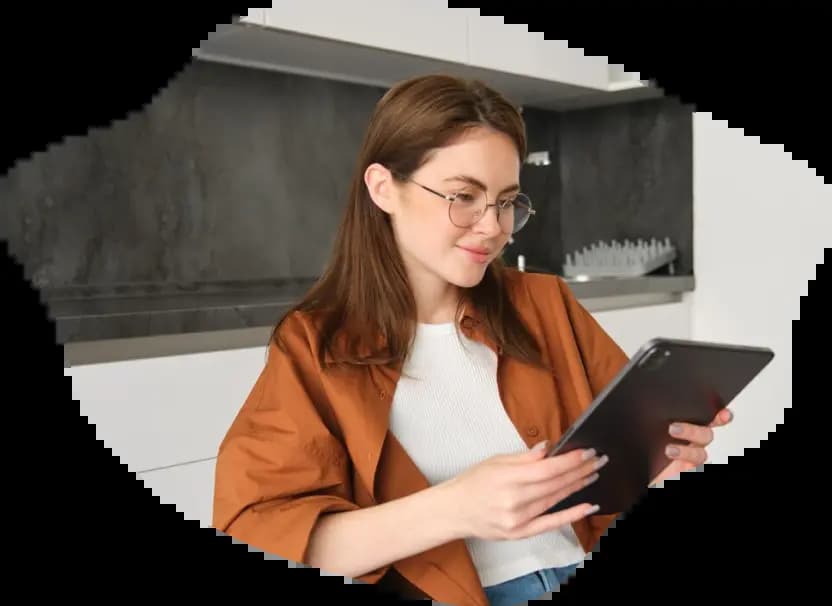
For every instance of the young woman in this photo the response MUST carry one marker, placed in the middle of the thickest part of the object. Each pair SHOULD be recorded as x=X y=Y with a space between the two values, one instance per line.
x=391 y=435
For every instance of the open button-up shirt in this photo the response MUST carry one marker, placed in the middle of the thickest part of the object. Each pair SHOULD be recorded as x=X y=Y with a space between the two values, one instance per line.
x=306 y=442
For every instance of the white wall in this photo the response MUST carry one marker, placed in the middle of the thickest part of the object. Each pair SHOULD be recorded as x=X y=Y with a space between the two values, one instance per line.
x=761 y=220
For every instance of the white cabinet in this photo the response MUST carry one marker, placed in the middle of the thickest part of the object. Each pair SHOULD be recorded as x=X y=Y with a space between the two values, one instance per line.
x=381 y=42
x=496 y=45
x=430 y=29
x=427 y=28
x=158 y=412
x=623 y=80
x=633 y=327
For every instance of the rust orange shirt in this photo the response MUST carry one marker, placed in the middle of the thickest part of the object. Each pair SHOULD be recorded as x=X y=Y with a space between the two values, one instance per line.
x=306 y=442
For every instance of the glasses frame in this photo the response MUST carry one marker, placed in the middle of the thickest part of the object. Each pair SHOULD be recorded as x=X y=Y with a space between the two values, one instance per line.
x=451 y=198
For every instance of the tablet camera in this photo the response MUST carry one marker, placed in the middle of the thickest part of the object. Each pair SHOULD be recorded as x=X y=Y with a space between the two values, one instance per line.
x=655 y=359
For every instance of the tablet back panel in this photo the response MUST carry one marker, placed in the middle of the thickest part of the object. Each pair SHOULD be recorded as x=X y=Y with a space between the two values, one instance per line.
x=667 y=380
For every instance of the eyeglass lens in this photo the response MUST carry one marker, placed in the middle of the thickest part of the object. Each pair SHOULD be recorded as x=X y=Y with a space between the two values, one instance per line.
x=467 y=208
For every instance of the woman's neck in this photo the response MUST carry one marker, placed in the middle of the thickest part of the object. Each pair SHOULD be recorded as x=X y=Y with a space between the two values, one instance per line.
x=436 y=302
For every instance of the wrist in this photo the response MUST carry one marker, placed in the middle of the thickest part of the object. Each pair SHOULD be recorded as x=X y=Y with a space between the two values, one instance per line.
x=448 y=511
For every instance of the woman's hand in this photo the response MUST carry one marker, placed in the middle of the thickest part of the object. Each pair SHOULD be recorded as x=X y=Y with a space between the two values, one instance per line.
x=693 y=454
x=505 y=496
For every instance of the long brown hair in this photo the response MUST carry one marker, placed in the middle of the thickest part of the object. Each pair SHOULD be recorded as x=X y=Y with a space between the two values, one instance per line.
x=363 y=297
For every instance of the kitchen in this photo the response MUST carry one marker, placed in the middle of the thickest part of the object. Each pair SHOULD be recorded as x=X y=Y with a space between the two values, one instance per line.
x=185 y=229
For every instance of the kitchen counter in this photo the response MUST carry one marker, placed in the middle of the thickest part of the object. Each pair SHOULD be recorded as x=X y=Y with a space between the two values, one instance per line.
x=91 y=314
x=107 y=324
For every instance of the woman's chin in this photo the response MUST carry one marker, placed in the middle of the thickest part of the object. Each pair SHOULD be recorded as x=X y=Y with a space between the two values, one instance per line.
x=467 y=277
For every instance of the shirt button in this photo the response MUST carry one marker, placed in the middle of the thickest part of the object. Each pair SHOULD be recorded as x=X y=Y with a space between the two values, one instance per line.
x=533 y=431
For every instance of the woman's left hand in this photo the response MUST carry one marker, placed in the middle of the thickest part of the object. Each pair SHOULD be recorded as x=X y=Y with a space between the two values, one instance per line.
x=693 y=454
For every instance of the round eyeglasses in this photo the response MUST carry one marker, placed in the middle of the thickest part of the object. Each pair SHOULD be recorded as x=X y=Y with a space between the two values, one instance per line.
x=468 y=207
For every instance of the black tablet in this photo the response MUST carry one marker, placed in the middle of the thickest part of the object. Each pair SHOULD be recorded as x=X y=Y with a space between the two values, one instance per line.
x=666 y=380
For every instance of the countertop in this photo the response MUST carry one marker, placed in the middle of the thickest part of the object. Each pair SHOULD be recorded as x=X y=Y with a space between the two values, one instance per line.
x=88 y=314
x=92 y=314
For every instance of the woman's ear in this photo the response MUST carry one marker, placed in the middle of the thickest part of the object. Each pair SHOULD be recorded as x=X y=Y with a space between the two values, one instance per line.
x=380 y=185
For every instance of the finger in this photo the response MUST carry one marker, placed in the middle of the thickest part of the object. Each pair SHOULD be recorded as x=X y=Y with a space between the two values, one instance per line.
x=549 y=494
x=544 y=523
x=723 y=417
x=535 y=453
x=550 y=467
x=695 y=434
x=549 y=484
x=561 y=485
x=536 y=499
x=688 y=454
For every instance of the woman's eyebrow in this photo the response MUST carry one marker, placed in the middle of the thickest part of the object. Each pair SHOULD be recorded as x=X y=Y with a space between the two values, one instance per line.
x=480 y=184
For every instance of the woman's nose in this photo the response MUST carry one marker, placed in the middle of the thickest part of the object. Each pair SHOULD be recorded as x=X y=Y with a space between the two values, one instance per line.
x=489 y=222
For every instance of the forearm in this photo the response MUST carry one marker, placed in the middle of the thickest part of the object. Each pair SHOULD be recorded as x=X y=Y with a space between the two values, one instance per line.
x=354 y=543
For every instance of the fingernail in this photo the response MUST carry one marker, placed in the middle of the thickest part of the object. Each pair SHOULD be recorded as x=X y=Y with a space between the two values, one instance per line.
x=672 y=451
x=588 y=454
x=540 y=445
x=601 y=462
x=591 y=478
x=675 y=429
x=729 y=416
x=593 y=509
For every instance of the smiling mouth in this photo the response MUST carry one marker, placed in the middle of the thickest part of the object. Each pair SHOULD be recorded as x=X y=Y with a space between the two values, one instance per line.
x=476 y=251
x=477 y=256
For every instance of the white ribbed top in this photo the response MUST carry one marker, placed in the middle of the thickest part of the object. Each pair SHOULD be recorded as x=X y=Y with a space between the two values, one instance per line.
x=448 y=416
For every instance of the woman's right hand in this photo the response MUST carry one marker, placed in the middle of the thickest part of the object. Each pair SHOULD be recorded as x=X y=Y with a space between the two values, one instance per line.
x=505 y=496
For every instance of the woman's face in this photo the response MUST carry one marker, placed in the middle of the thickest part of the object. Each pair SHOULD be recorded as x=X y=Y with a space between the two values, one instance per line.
x=434 y=248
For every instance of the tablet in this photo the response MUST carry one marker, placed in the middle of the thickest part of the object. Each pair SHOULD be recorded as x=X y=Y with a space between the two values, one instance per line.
x=666 y=380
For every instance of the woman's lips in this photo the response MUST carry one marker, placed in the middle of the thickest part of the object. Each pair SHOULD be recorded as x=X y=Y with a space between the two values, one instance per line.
x=480 y=255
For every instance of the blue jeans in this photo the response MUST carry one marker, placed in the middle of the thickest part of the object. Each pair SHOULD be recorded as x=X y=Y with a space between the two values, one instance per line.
x=528 y=587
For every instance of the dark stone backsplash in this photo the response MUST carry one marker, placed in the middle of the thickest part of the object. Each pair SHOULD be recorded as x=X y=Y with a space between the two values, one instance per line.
x=541 y=241
x=626 y=172
x=618 y=172
x=236 y=174
x=230 y=174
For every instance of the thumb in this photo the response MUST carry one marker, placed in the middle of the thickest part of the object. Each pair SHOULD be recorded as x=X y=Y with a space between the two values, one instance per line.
x=537 y=451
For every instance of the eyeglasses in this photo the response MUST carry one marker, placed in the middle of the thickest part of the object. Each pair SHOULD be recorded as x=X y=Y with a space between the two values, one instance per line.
x=467 y=208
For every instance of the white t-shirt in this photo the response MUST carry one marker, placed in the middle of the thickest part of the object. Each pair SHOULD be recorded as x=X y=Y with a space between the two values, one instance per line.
x=449 y=417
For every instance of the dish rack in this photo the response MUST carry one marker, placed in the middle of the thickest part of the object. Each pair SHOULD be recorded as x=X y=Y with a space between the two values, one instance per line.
x=620 y=259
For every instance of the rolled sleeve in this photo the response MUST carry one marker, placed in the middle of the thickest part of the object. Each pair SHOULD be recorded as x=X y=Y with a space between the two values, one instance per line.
x=280 y=466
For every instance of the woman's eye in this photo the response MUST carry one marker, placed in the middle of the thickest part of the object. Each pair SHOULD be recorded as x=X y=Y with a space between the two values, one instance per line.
x=465 y=197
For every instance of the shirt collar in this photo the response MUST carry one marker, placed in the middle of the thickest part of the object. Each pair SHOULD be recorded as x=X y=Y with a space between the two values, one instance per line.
x=472 y=323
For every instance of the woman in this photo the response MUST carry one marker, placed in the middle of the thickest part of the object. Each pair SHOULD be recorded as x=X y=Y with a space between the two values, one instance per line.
x=391 y=435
